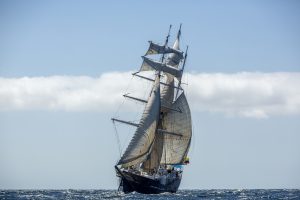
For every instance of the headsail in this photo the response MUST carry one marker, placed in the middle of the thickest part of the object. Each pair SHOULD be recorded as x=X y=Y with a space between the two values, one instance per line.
x=142 y=141
x=176 y=145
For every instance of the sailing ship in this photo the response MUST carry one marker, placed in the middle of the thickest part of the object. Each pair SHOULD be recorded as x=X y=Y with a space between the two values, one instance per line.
x=153 y=161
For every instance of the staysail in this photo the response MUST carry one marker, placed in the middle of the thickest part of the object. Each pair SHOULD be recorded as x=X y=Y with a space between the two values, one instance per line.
x=142 y=141
x=178 y=132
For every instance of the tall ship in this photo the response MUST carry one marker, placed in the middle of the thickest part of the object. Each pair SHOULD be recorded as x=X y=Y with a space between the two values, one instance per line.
x=153 y=160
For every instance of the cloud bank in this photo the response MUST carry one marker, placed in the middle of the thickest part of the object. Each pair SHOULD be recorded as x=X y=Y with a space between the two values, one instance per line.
x=258 y=95
x=245 y=94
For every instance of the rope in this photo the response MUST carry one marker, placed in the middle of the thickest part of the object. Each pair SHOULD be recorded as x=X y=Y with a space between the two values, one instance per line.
x=115 y=115
x=192 y=145
x=118 y=139
x=119 y=107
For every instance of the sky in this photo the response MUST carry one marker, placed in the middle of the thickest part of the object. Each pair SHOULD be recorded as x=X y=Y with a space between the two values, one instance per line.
x=64 y=66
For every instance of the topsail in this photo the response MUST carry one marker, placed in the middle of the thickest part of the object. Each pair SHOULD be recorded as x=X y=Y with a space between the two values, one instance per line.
x=161 y=49
x=150 y=64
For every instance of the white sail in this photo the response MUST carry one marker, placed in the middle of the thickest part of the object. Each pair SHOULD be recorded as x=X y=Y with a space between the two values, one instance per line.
x=149 y=64
x=167 y=94
x=142 y=141
x=176 y=145
x=173 y=58
x=153 y=160
x=161 y=49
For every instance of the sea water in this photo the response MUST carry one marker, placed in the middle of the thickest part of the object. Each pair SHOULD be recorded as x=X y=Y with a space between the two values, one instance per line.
x=181 y=194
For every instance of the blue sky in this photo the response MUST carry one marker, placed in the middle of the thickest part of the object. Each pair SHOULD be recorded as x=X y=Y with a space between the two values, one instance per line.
x=44 y=38
x=55 y=129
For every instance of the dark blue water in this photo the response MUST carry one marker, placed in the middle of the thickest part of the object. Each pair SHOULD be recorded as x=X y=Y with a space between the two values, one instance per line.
x=181 y=194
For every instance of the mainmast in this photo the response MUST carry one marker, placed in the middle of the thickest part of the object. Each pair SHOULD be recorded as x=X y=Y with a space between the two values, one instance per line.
x=153 y=161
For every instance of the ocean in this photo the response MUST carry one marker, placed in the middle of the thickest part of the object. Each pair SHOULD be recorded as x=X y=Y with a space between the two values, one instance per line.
x=181 y=194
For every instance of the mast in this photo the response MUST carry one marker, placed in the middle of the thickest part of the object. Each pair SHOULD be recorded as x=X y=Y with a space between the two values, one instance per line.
x=166 y=43
x=153 y=161
x=161 y=115
x=182 y=69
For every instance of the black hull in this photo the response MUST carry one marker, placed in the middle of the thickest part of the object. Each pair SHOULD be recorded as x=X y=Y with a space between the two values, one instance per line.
x=133 y=182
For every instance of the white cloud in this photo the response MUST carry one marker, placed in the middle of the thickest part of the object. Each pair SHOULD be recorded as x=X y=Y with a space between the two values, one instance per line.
x=245 y=94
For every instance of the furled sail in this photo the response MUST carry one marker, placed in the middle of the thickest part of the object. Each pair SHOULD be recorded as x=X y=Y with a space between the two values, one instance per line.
x=149 y=64
x=161 y=49
x=176 y=145
x=142 y=141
